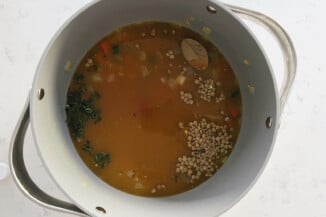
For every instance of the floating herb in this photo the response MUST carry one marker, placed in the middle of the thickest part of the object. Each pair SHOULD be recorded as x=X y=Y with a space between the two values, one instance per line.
x=235 y=94
x=80 y=109
x=79 y=77
x=115 y=49
x=87 y=147
x=102 y=159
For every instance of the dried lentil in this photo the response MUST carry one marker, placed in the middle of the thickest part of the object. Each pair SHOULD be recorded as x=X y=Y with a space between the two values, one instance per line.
x=220 y=98
x=206 y=88
x=186 y=97
x=89 y=63
x=208 y=142
x=170 y=54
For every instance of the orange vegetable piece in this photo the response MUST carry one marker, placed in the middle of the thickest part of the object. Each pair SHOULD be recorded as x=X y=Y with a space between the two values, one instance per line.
x=234 y=112
x=105 y=47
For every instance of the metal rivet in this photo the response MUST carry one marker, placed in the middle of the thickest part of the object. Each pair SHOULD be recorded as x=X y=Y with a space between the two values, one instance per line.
x=100 y=209
x=269 y=122
x=40 y=94
x=211 y=9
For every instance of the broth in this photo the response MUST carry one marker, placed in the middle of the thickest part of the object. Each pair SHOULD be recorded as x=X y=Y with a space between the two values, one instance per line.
x=146 y=121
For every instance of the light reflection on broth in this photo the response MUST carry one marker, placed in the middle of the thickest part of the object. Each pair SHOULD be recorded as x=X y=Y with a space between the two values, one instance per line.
x=146 y=121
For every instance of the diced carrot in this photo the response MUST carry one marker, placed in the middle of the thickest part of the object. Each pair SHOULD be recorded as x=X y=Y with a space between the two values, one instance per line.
x=105 y=47
x=233 y=111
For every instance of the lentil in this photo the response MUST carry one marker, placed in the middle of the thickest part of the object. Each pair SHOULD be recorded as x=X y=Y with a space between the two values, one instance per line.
x=170 y=54
x=186 y=97
x=208 y=143
x=206 y=88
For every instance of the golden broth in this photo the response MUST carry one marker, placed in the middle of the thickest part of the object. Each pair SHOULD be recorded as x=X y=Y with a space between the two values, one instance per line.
x=135 y=106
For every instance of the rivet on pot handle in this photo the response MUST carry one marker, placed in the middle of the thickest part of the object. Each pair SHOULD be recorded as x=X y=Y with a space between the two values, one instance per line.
x=21 y=176
x=284 y=41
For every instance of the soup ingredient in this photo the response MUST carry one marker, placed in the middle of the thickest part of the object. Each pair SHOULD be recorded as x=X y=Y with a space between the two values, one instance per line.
x=208 y=142
x=186 y=97
x=101 y=159
x=81 y=109
x=115 y=49
x=206 y=88
x=235 y=93
x=194 y=53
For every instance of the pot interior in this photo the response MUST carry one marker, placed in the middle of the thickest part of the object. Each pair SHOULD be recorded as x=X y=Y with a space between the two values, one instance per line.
x=90 y=25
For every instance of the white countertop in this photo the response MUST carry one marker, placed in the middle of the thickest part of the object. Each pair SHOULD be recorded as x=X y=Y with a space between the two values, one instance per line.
x=294 y=181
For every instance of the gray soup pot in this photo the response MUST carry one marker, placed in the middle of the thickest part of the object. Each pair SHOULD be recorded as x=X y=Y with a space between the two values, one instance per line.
x=90 y=196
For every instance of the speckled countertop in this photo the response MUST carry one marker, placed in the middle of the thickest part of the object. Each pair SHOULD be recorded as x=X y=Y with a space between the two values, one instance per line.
x=294 y=181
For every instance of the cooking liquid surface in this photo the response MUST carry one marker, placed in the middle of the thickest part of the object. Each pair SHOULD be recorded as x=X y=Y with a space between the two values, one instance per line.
x=139 y=84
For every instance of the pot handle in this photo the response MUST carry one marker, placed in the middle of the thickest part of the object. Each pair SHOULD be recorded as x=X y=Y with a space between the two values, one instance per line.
x=21 y=176
x=284 y=41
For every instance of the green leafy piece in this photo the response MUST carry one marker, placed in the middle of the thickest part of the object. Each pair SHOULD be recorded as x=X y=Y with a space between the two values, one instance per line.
x=115 y=49
x=102 y=159
x=87 y=147
x=79 y=77
x=81 y=109
x=235 y=94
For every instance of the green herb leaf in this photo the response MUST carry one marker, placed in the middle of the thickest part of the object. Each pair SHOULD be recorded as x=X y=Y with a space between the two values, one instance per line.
x=235 y=94
x=87 y=147
x=102 y=159
x=79 y=77
x=115 y=49
x=80 y=109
